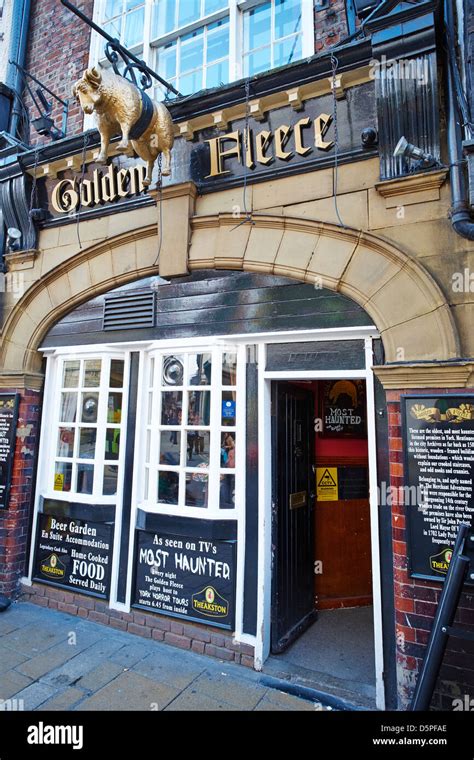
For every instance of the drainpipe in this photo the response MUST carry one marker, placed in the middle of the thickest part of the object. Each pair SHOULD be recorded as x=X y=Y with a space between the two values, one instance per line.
x=17 y=53
x=461 y=219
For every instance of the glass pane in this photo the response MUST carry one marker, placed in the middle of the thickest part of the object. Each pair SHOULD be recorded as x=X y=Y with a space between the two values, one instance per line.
x=151 y=379
x=110 y=480
x=229 y=369
x=168 y=487
x=150 y=408
x=217 y=40
x=129 y=4
x=199 y=369
x=192 y=50
x=62 y=476
x=188 y=10
x=92 y=373
x=198 y=448
x=173 y=369
x=147 y=480
x=190 y=83
x=65 y=442
x=114 y=407
x=257 y=27
x=287 y=51
x=71 y=374
x=134 y=27
x=287 y=17
x=228 y=449
x=196 y=489
x=89 y=406
x=116 y=373
x=228 y=408
x=112 y=443
x=199 y=409
x=85 y=478
x=211 y=6
x=87 y=441
x=68 y=407
x=113 y=8
x=170 y=447
x=171 y=407
x=114 y=28
x=257 y=62
x=217 y=74
x=164 y=17
x=167 y=61
x=227 y=492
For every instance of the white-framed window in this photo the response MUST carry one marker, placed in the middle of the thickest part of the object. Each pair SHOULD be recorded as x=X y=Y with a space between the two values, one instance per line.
x=88 y=421
x=273 y=35
x=191 y=431
x=201 y=44
x=124 y=20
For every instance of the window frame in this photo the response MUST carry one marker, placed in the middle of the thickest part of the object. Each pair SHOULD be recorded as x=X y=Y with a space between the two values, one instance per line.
x=148 y=502
x=235 y=11
x=49 y=457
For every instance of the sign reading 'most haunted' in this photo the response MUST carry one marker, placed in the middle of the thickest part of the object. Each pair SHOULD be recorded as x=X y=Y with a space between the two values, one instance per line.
x=439 y=465
x=186 y=577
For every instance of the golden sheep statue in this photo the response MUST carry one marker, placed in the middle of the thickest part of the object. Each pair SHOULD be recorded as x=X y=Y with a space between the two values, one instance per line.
x=120 y=106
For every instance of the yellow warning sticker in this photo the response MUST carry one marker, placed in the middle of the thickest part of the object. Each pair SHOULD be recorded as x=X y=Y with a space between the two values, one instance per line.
x=59 y=481
x=326 y=484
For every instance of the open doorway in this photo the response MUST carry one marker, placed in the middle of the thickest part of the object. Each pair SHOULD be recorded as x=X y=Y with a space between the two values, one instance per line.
x=322 y=627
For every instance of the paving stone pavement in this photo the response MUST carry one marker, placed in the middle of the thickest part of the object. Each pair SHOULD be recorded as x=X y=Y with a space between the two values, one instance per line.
x=53 y=661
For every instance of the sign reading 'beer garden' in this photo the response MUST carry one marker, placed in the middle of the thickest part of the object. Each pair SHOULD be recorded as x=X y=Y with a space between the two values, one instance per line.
x=186 y=577
x=439 y=466
x=74 y=553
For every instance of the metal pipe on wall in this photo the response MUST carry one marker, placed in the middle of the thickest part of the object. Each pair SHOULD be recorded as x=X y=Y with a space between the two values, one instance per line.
x=17 y=54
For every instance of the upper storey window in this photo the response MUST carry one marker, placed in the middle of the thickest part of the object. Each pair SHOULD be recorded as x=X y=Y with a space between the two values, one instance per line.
x=200 y=44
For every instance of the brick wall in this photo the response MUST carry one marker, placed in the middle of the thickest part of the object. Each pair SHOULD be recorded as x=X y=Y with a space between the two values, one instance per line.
x=14 y=521
x=58 y=53
x=330 y=25
x=416 y=600
x=179 y=633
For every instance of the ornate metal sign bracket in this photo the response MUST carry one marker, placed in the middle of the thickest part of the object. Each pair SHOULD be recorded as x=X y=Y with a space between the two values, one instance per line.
x=116 y=53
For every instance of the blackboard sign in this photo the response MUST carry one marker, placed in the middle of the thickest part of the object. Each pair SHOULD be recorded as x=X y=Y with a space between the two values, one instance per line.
x=186 y=577
x=8 y=419
x=74 y=553
x=343 y=411
x=439 y=465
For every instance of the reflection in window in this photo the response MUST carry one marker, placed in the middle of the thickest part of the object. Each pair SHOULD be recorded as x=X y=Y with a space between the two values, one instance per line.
x=170 y=447
x=228 y=408
x=198 y=448
x=62 y=476
x=71 y=374
x=196 y=489
x=89 y=406
x=199 y=407
x=85 y=478
x=272 y=35
x=110 y=480
x=168 y=487
x=65 y=446
x=227 y=491
x=112 y=443
x=87 y=443
x=171 y=409
x=228 y=449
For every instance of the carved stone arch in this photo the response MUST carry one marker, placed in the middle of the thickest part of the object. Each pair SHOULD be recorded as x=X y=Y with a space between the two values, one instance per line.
x=404 y=301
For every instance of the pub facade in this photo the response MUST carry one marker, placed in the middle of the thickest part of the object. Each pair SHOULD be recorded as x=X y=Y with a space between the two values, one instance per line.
x=237 y=404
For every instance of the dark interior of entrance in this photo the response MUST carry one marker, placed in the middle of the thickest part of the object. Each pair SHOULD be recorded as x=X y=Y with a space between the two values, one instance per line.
x=322 y=622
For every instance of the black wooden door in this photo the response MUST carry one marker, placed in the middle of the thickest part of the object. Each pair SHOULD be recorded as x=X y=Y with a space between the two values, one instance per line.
x=293 y=499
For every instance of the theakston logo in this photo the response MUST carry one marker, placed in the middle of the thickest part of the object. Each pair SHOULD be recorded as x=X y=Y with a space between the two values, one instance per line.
x=46 y=734
x=52 y=567
x=440 y=562
x=209 y=602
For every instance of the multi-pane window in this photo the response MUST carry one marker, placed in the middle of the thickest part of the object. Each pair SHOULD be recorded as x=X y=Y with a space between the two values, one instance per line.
x=272 y=35
x=196 y=60
x=170 y=15
x=124 y=20
x=201 y=44
x=88 y=427
x=190 y=442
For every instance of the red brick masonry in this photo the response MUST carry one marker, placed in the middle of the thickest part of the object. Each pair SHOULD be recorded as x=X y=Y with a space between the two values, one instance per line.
x=416 y=600
x=198 y=638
